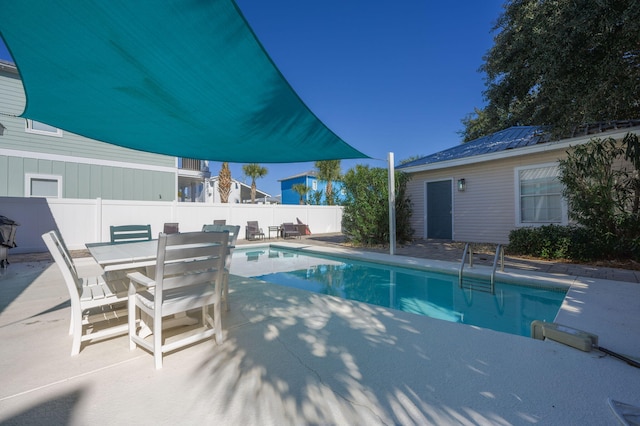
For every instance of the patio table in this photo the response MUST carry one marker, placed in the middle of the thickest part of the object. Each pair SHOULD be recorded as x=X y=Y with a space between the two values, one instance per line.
x=124 y=256
x=276 y=229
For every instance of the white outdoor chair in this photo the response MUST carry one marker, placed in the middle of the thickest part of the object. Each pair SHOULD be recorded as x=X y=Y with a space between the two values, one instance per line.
x=233 y=230
x=94 y=300
x=189 y=274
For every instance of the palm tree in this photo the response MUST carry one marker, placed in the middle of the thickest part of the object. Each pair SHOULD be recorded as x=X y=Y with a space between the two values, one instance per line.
x=254 y=171
x=224 y=183
x=302 y=190
x=329 y=171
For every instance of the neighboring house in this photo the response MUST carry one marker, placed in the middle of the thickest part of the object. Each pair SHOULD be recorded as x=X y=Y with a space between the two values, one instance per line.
x=37 y=160
x=309 y=179
x=240 y=193
x=192 y=177
x=481 y=190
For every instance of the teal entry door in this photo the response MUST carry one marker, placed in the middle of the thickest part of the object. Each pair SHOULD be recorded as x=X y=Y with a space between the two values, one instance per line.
x=439 y=210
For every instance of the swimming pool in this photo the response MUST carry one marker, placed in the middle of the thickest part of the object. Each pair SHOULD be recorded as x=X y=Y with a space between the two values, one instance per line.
x=508 y=308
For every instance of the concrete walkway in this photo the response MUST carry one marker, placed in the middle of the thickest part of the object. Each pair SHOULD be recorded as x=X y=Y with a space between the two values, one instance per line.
x=292 y=357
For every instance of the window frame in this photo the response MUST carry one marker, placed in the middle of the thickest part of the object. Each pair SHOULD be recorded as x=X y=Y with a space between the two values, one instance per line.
x=29 y=177
x=564 y=217
x=29 y=129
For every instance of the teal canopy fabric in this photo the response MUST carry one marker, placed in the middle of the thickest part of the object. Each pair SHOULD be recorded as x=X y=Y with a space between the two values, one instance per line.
x=186 y=78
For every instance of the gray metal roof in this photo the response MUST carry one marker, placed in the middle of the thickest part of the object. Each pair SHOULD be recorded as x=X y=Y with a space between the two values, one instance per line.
x=511 y=138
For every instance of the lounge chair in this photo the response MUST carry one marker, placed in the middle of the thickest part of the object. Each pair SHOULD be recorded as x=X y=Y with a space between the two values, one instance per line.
x=98 y=304
x=130 y=233
x=290 y=230
x=233 y=231
x=303 y=228
x=253 y=231
x=171 y=228
x=189 y=274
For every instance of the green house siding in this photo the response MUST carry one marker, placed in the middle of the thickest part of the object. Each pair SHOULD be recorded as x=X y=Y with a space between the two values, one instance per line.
x=88 y=181
x=87 y=168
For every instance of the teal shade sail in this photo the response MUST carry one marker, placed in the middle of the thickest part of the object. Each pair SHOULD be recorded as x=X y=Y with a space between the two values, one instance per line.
x=186 y=78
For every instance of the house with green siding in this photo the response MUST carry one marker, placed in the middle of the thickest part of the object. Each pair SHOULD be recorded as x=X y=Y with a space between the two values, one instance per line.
x=43 y=161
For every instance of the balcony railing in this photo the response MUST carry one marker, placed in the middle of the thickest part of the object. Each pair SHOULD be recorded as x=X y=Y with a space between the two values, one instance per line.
x=192 y=164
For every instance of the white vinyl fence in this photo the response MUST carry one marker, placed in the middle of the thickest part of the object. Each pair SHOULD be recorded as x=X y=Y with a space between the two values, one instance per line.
x=88 y=221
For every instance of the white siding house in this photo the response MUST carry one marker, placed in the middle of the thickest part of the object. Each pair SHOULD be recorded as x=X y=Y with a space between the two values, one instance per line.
x=481 y=190
x=240 y=192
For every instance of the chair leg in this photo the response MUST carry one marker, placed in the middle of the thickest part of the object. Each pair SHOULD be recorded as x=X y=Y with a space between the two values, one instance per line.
x=71 y=321
x=76 y=326
x=132 y=321
x=225 y=283
x=217 y=321
x=157 y=340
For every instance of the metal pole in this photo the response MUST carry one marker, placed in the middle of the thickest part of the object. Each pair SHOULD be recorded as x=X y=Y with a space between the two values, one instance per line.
x=392 y=206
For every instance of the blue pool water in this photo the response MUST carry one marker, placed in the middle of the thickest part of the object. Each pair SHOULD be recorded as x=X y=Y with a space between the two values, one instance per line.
x=510 y=309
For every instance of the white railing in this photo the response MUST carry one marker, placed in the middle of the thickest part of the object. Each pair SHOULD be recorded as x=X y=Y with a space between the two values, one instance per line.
x=83 y=221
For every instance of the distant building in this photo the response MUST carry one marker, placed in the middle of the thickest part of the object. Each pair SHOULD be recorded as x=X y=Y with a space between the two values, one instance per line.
x=240 y=193
x=316 y=195
x=192 y=175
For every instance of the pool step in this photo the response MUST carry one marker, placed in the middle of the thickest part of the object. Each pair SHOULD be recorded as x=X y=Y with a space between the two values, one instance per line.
x=499 y=256
x=478 y=285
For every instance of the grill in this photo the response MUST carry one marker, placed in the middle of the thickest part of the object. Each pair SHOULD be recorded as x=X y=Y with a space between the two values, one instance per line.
x=7 y=238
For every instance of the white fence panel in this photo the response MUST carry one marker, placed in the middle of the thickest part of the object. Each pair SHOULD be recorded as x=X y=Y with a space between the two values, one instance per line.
x=86 y=221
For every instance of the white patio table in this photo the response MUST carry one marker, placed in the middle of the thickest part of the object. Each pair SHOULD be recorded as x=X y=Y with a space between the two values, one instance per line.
x=123 y=256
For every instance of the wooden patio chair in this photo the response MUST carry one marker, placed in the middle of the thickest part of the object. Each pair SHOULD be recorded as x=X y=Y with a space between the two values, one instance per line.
x=130 y=233
x=233 y=231
x=188 y=275
x=290 y=230
x=253 y=231
x=97 y=303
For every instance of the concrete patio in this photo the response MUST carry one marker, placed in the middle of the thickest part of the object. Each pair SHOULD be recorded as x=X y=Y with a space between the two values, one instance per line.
x=291 y=357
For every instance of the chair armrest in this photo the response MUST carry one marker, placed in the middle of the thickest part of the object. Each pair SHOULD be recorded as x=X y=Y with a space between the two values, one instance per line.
x=140 y=279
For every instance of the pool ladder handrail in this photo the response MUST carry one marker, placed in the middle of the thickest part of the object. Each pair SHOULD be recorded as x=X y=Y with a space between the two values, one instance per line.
x=498 y=256
x=467 y=249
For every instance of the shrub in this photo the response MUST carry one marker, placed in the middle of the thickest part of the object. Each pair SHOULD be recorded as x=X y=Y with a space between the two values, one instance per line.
x=557 y=242
x=365 y=219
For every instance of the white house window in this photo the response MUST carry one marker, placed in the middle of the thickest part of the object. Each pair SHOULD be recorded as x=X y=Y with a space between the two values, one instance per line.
x=539 y=198
x=43 y=186
x=42 y=129
x=314 y=185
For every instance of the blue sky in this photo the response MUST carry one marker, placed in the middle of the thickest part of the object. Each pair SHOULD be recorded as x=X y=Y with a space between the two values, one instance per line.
x=383 y=75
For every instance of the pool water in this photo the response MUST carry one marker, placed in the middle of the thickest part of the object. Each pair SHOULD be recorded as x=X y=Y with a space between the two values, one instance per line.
x=510 y=308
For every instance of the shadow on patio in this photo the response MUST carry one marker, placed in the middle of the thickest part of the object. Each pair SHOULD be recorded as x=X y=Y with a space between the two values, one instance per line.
x=293 y=357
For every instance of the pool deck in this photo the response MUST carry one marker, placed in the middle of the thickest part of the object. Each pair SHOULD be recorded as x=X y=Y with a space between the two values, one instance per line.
x=291 y=357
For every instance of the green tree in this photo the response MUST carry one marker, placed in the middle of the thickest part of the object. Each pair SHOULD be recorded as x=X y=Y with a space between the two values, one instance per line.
x=602 y=185
x=365 y=219
x=302 y=191
x=561 y=63
x=254 y=171
x=329 y=171
x=224 y=183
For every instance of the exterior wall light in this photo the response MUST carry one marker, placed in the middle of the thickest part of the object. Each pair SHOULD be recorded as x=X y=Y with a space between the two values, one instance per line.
x=462 y=185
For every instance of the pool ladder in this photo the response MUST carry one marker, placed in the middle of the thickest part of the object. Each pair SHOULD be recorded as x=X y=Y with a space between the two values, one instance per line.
x=498 y=256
